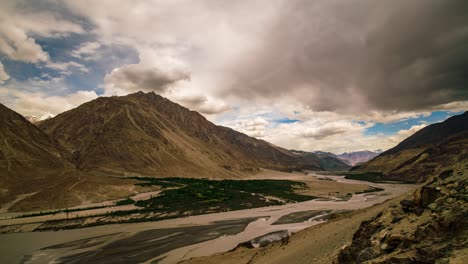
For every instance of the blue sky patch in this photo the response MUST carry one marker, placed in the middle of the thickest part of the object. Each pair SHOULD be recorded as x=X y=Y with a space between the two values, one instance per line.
x=286 y=120
x=394 y=127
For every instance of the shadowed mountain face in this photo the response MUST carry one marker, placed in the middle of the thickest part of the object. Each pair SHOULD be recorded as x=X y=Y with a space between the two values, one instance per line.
x=147 y=134
x=28 y=156
x=424 y=153
x=328 y=160
x=24 y=147
x=36 y=172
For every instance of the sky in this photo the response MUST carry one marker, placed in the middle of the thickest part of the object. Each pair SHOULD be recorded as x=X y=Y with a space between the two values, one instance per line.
x=309 y=75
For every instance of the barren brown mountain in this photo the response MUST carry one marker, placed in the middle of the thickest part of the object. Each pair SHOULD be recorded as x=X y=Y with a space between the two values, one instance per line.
x=29 y=158
x=424 y=153
x=146 y=134
x=36 y=172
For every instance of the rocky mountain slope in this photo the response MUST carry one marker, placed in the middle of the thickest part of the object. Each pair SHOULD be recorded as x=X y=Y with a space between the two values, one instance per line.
x=428 y=227
x=36 y=172
x=27 y=156
x=424 y=153
x=24 y=146
x=146 y=134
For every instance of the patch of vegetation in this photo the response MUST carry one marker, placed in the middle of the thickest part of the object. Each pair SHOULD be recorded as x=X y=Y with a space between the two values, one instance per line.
x=202 y=195
x=185 y=196
x=375 y=177
x=126 y=201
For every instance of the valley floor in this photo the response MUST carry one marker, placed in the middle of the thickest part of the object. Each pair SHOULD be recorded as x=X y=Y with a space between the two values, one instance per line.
x=178 y=239
x=319 y=244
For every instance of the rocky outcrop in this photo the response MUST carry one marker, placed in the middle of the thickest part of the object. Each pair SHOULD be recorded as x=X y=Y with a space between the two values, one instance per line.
x=428 y=227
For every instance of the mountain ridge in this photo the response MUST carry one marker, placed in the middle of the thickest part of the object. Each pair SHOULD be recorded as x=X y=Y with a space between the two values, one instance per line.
x=351 y=158
x=416 y=157
x=165 y=135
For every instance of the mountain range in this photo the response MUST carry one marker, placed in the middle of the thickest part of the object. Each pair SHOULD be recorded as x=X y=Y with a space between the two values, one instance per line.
x=146 y=134
x=351 y=158
x=73 y=156
x=140 y=134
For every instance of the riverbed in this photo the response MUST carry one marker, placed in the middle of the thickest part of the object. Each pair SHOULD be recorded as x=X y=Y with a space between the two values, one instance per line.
x=174 y=240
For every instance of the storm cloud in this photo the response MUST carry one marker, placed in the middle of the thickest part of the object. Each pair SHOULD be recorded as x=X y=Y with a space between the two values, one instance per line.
x=361 y=55
x=137 y=77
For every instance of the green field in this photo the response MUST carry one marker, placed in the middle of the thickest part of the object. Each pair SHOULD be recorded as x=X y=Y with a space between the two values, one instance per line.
x=375 y=177
x=195 y=196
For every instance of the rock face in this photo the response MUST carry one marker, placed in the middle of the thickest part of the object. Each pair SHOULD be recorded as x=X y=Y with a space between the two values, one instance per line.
x=431 y=226
x=421 y=155
x=146 y=134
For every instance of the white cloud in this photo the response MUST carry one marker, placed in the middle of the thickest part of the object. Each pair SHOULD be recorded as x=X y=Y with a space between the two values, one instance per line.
x=65 y=67
x=457 y=106
x=404 y=133
x=87 y=51
x=254 y=128
x=198 y=102
x=322 y=131
x=17 y=25
x=3 y=75
x=155 y=72
x=40 y=104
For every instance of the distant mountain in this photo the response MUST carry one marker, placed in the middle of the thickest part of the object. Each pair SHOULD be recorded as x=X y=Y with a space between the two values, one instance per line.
x=357 y=157
x=425 y=153
x=328 y=160
x=324 y=153
x=35 y=119
x=350 y=158
x=32 y=119
x=146 y=134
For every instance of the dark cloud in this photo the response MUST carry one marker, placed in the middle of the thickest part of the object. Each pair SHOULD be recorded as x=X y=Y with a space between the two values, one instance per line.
x=138 y=77
x=203 y=104
x=361 y=55
x=322 y=133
